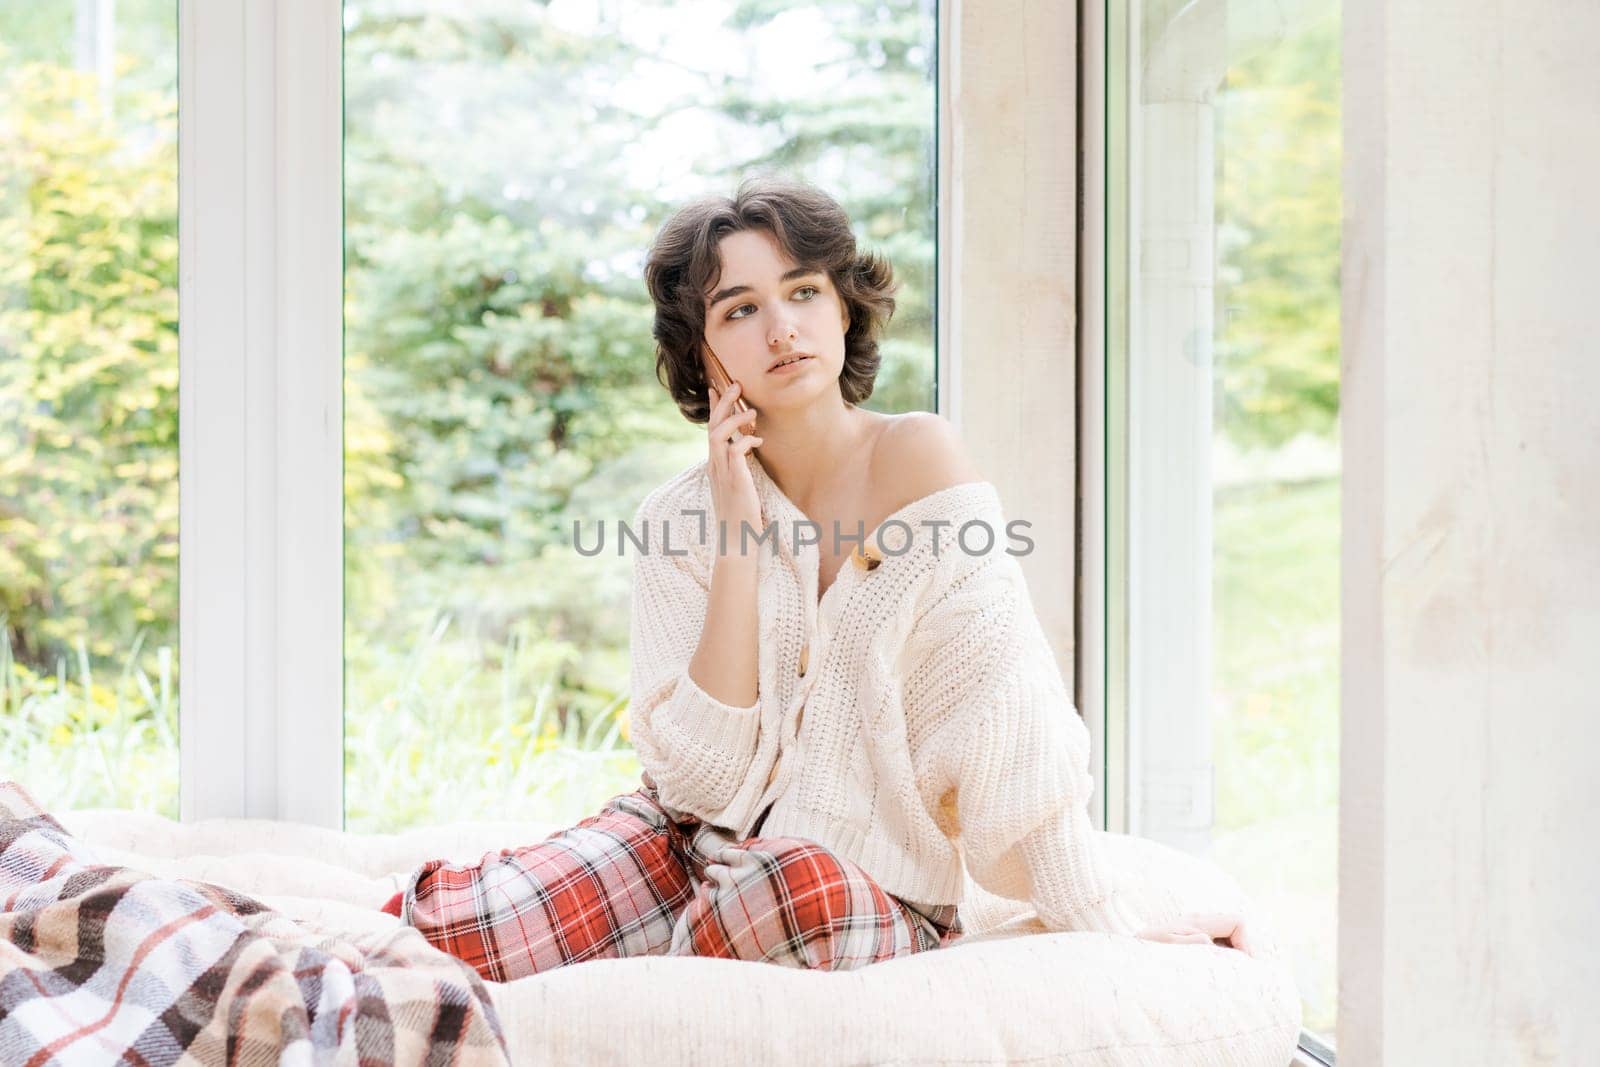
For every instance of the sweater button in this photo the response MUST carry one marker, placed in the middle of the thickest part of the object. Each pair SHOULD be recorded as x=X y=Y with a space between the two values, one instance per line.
x=804 y=651
x=866 y=558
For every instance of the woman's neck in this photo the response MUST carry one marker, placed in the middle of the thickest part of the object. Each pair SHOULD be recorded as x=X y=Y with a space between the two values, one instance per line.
x=806 y=452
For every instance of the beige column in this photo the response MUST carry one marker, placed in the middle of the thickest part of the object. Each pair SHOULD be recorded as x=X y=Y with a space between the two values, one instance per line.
x=1008 y=234
x=1469 y=908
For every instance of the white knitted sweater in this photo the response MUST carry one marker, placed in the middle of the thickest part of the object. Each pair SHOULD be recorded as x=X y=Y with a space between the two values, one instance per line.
x=938 y=740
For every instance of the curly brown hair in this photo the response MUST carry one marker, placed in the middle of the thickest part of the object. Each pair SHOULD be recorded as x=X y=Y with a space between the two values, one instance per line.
x=812 y=229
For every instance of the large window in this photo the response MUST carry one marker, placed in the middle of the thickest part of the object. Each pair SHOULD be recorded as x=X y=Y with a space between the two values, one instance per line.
x=506 y=169
x=89 y=402
x=1222 y=415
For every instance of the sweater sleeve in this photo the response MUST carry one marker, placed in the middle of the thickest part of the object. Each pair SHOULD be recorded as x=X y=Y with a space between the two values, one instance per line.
x=1016 y=754
x=697 y=749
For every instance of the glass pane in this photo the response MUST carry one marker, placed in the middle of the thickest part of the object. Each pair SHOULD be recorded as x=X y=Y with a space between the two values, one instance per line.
x=89 y=402
x=506 y=170
x=1231 y=144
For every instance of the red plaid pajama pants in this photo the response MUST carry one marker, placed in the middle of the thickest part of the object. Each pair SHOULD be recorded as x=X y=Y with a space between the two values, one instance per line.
x=634 y=881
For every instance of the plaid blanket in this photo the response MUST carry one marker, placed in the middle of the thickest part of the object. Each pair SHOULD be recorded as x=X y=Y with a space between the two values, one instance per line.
x=103 y=964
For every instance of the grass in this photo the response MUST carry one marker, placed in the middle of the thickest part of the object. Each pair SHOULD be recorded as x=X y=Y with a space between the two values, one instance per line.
x=431 y=737
x=440 y=740
x=1275 y=717
x=75 y=742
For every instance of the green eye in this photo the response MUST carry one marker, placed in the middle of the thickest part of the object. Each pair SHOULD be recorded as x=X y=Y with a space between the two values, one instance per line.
x=811 y=289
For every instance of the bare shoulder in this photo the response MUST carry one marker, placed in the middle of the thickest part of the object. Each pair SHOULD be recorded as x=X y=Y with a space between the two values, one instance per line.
x=920 y=453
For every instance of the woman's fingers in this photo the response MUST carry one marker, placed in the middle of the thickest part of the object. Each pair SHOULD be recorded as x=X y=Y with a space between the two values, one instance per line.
x=1217 y=924
x=1170 y=932
x=744 y=423
x=1231 y=929
x=723 y=419
x=1204 y=929
x=742 y=420
x=722 y=401
x=1177 y=936
x=1227 y=927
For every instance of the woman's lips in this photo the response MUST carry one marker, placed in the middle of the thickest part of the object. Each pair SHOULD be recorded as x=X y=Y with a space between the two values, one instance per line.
x=784 y=368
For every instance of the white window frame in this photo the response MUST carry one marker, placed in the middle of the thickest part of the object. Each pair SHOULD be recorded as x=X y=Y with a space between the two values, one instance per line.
x=1102 y=626
x=261 y=449
x=1158 y=277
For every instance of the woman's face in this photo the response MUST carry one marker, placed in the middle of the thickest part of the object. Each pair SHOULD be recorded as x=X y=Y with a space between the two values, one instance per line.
x=765 y=308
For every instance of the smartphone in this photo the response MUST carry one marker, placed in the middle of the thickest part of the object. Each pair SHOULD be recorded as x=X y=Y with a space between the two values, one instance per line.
x=718 y=374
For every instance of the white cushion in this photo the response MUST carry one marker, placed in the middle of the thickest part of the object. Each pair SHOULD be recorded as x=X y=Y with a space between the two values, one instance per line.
x=1005 y=993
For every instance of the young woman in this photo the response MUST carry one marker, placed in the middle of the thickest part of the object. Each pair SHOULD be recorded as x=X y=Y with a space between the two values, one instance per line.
x=842 y=699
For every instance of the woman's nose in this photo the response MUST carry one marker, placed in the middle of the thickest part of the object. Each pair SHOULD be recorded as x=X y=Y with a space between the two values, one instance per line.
x=782 y=330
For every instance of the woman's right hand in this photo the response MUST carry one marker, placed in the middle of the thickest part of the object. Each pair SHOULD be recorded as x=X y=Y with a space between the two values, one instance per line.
x=733 y=489
x=1204 y=928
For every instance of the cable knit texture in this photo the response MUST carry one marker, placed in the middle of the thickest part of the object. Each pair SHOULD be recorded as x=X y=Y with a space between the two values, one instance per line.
x=929 y=737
